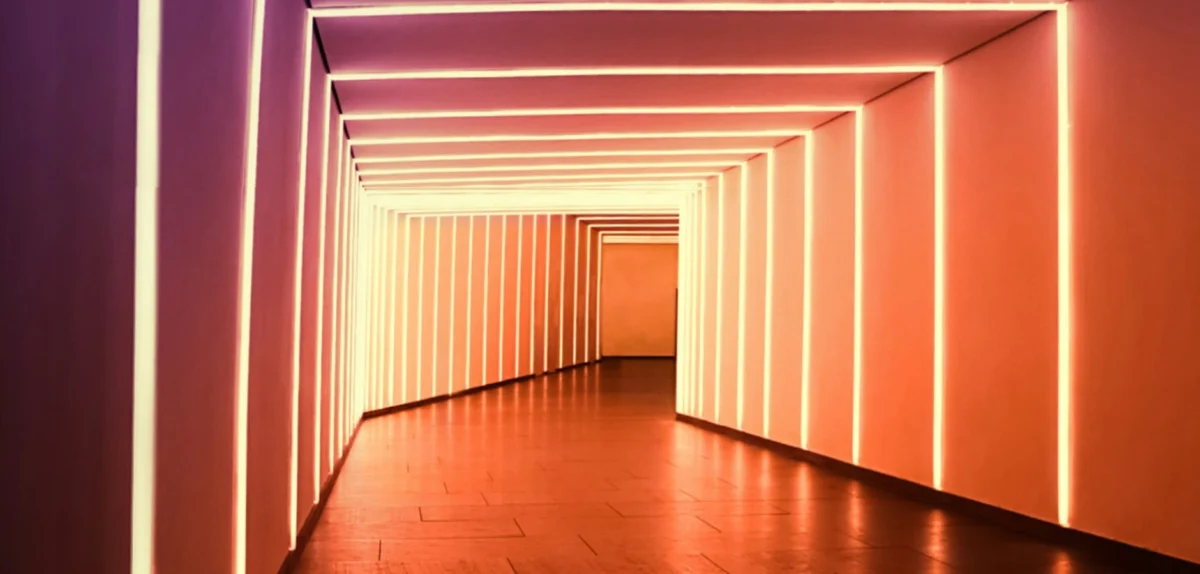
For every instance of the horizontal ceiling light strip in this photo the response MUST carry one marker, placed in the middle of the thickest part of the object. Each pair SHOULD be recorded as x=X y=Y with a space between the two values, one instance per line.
x=482 y=74
x=551 y=167
x=532 y=178
x=559 y=154
x=573 y=137
x=543 y=7
x=613 y=111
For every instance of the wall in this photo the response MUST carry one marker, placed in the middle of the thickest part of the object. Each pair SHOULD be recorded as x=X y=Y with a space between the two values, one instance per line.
x=954 y=354
x=637 y=299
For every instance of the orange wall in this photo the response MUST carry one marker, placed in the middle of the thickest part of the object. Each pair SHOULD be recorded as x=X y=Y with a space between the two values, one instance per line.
x=785 y=317
x=753 y=276
x=1001 y=273
x=728 y=261
x=637 y=299
x=1136 y=129
x=831 y=375
x=709 y=254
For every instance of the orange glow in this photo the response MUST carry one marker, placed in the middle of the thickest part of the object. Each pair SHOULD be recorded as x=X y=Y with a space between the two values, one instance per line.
x=1065 y=278
x=551 y=167
x=517 y=310
x=611 y=111
x=575 y=302
x=503 y=268
x=810 y=146
x=743 y=240
x=245 y=278
x=557 y=154
x=562 y=291
x=939 y=273
x=486 y=280
x=631 y=71
x=450 y=293
x=514 y=8
x=145 y=288
x=594 y=136
x=532 y=293
x=587 y=293
x=856 y=416
x=546 y=303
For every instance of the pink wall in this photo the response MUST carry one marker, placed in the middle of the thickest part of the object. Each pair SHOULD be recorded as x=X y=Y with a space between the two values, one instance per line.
x=1136 y=129
x=637 y=300
x=67 y=225
x=786 y=292
x=753 y=276
x=1001 y=272
x=831 y=372
x=897 y=267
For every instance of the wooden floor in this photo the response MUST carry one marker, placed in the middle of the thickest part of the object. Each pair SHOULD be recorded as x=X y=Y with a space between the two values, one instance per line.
x=587 y=471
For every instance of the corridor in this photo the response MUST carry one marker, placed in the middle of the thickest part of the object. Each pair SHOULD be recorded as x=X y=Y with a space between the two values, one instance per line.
x=586 y=470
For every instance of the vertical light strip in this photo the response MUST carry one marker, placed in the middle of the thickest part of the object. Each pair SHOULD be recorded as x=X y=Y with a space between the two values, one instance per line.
x=702 y=246
x=406 y=316
x=769 y=296
x=452 y=293
x=470 y=298
x=298 y=285
x=743 y=286
x=562 y=291
x=437 y=279
x=546 y=302
x=720 y=299
x=420 y=309
x=810 y=148
x=533 y=269
x=319 y=334
x=517 y=307
x=487 y=281
x=856 y=414
x=599 y=279
x=334 y=299
x=245 y=279
x=587 y=295
x=500 y=327
x=575 y=302
x=939 y=271
x=1065 y=267
x=394 y=310
x=145 y=288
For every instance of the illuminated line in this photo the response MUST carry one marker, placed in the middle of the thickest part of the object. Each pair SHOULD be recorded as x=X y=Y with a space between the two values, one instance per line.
x=720 y=299
x=546 y=303
x=939 y=272
x=500 y=322
x=612 y=111
x=562 y=291
x=743 y=286
x=575 y=300
x=517 y=307
x=599 y=279
x=298 y=287
x=688 y=176
x=587 y=297
x=145 y=289
x=487 y=281
x=542 y=167
x=477 y=74
x=553 y=7
x=470 y=296
x=334 y=322
x=592 y=136
x=420 y=310
x=452 y=293
x=437 y=288
x=856 y=418
x=1065 y=268
x=556 y=154
x=533 y=294
x=769 y=296
x=245 y=292
x=406 y=317
x=393 y=309
x=318 y=360
x=810 y=146
x=702 y=249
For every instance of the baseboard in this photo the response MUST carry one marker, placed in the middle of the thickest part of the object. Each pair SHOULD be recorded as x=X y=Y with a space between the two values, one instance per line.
x=304 y=534
x=1134 y=558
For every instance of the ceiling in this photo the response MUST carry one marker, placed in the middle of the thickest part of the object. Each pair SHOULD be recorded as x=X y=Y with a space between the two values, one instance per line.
x=638 y=96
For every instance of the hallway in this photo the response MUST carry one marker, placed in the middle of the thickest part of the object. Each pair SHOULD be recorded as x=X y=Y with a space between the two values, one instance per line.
x=587 y=471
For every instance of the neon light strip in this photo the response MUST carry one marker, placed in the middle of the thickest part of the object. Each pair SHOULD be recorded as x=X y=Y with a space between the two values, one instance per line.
x=562 y=291
x=318 y=369
x=517 y=310
x=769 y=296
x=587 y=297
x=420 y=310
x=452 y=293
x=474 y=74
x=145 y=289
x=393 y=295
x=575 y=301
x=406 y=317
x=599 y=283
x=542 y=167
x=334 y=321
x=1065 y=268
x=610 y=111
x=245 y=291
x=810 y=147
x=437 y=288
x=470 y=297
x=546 y=303
x=939 y=273
x=702 y=308
x=533 y=293
x=856 y=418
x=487 y=281
x=720 y=298
x=594 y=136
x=500 y=326
x=557 y=154
x=687 y=176
x=743 y=286
x=524 y=8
